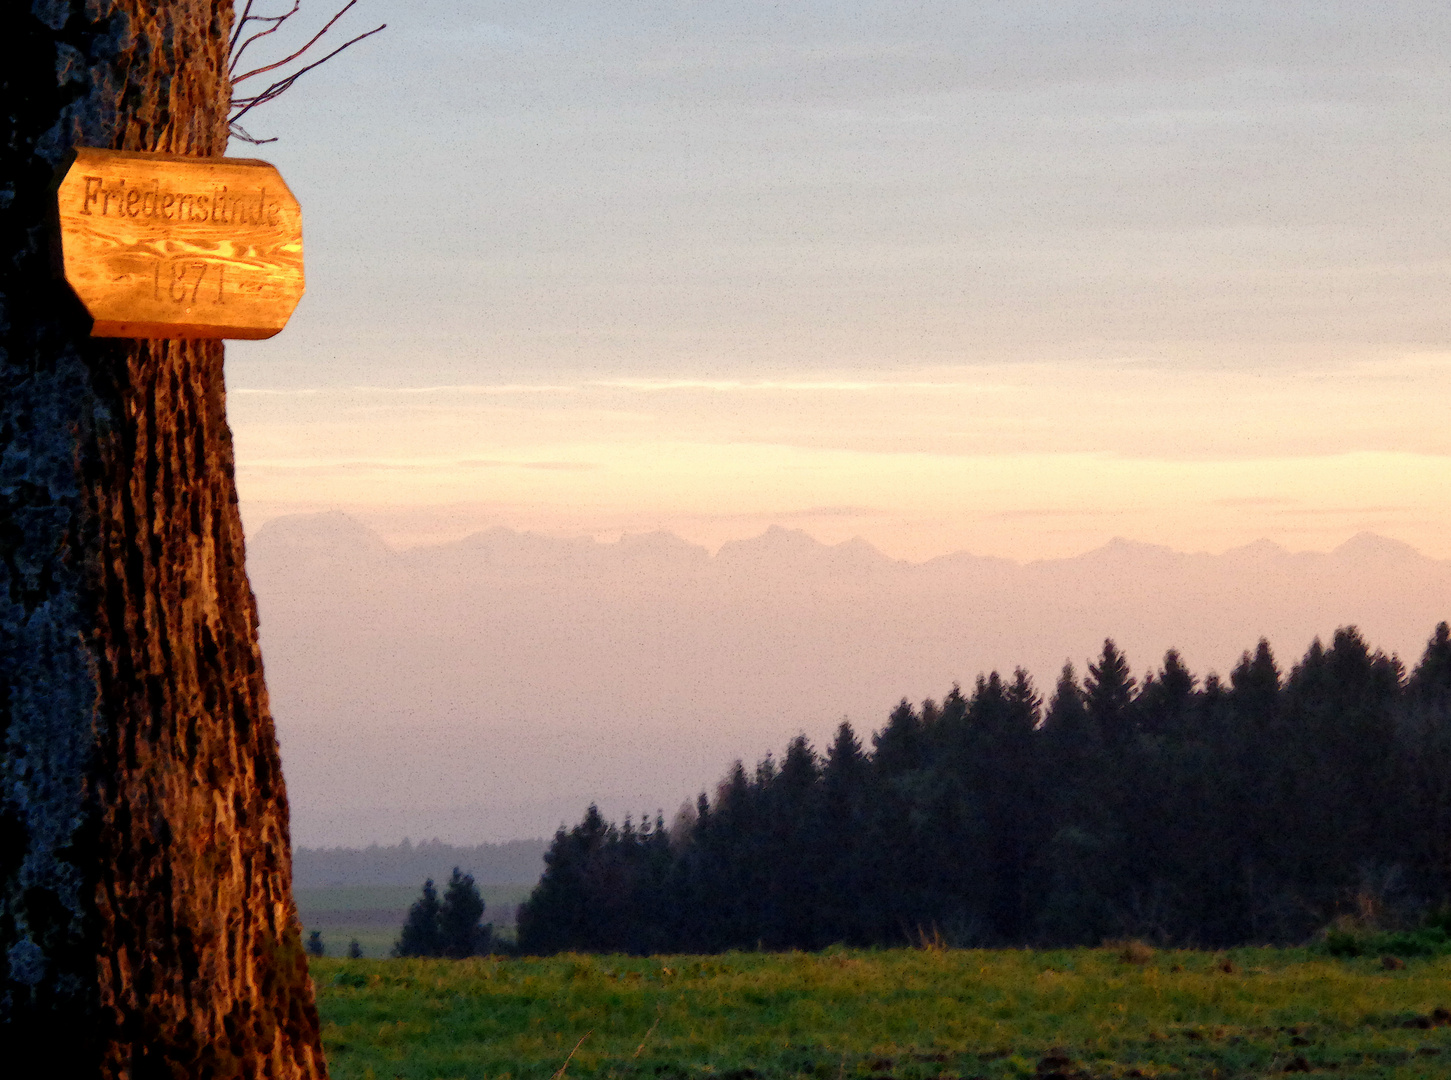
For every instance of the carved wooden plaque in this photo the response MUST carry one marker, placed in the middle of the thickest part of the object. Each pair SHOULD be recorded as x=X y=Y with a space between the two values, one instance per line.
x=164 y=246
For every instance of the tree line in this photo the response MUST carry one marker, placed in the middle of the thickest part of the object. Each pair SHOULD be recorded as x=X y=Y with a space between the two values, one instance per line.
x=1183 y=811
x=407 y=863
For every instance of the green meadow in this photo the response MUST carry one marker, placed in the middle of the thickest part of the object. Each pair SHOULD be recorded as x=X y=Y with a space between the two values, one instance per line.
x=905 y=1014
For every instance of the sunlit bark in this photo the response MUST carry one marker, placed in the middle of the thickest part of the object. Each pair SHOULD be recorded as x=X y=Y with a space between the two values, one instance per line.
x=146 y=920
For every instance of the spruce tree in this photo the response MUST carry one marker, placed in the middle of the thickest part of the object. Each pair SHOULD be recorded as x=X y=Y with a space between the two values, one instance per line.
x=421 y=935
x=1256 y=686
x=1070 y=745
x=1108 y=695
x=844 y=760
x=1005 y=780
x=844 y=779
x=459 y=915
x=1431 y=681
x=562 y=912
x=901 y=745
x=1425 y=752
x=1165 y=700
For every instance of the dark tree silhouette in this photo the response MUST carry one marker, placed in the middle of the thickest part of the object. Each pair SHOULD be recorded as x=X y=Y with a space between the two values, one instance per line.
x=449 y=926
x=1108 y=695
x=422 y=935
x=459 y=918
x=1176 y=811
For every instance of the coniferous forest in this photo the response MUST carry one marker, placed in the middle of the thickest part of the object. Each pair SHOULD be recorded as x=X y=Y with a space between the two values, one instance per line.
x=1182 y=811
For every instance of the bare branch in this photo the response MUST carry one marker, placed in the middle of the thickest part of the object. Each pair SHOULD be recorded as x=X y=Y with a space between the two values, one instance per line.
x=276 y=89
x=311 y=42
x=241 y=41
x=239 y=132
x=275 y=20
x=237 y=30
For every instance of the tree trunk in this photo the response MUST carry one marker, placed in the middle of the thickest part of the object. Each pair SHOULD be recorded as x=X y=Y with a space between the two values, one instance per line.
x=146 y=918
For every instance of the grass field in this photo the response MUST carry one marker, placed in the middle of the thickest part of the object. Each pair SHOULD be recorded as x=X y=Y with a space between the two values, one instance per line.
x=903 y=1014
x=373 y=914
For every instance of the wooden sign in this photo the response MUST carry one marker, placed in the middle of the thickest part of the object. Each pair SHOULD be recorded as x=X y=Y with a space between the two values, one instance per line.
x=164 y=246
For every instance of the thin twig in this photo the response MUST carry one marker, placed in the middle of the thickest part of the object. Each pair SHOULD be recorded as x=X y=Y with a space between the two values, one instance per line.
x=311 y=42
x=275 y=20
x=560 y=1074
x=237 y=29
x=242 y=133
x=241 y=40
x=249 y=103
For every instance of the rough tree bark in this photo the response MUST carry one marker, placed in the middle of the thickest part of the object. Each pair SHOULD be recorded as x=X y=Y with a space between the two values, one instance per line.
x=146 y=920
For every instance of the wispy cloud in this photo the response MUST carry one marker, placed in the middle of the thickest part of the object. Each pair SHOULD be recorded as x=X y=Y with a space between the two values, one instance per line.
x=767 y=386
x=1347 y=511
x=1252 y=501
x=548 y=466
x=769 y=516
x=1058 y=512
x=448 y=390
x=416 y=465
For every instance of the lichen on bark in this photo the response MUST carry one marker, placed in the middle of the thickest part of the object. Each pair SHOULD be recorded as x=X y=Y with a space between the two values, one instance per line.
x=146 y=920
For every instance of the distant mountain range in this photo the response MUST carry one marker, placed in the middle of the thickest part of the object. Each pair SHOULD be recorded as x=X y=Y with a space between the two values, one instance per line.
x=488 y=689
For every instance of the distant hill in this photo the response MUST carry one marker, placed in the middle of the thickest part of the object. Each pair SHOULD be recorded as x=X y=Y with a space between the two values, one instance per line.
x=490 y=688
x=518 y=862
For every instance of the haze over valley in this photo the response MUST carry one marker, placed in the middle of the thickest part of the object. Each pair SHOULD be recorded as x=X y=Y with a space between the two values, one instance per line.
x=1008 y=279
x=490 y=688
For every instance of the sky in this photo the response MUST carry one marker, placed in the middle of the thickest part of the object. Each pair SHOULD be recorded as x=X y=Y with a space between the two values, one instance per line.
x=1005 y=278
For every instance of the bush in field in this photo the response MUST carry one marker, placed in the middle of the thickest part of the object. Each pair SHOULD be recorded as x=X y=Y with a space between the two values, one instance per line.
x=315 y=946
x=355 y=951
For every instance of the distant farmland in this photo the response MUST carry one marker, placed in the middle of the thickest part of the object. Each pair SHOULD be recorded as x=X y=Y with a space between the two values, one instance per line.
x=364 y=893
x=373 y=914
